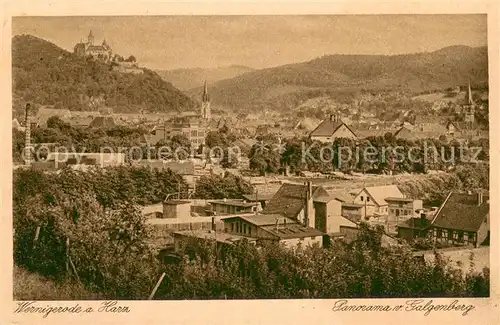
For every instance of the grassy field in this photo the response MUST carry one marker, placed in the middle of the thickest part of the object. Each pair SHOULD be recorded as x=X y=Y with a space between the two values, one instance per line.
x=31 y=286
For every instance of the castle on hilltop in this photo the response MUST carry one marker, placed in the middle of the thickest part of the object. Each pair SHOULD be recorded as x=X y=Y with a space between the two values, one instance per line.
x=101 y=52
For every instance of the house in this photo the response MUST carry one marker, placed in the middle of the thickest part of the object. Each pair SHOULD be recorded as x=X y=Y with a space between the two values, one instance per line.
x=193 y=128
x=259 y=198
x=421 y=131
x=295 y=201
x=349 y=234
x=414 y=228
x=463 y=219
x=328 y=214
x=222 y=239
x=330 y=129
x=452 y=128
x=225 y=206
x=102 y=121
x=273 y=228
x=176 y=208
x=352 y=211
x=309 y=205
x=402 y=208
x=373 y=199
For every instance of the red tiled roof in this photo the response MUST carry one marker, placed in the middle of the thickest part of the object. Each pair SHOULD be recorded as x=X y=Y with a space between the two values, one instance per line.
x=461 y=212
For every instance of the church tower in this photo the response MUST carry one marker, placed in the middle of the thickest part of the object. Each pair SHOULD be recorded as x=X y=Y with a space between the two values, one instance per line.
x=90 y=38
x=469 y=109
x=205 y=103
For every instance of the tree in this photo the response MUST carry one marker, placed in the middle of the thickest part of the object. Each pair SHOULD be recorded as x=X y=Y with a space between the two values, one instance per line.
x=131 y=58
x=218 y=187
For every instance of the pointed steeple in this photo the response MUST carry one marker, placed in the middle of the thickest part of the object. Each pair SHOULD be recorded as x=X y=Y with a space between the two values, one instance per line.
x=469 y=95
x=90 y=38
x=205 y=97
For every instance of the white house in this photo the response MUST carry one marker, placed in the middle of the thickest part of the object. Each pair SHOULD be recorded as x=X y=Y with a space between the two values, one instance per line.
x=330 y=129
x=373 y=199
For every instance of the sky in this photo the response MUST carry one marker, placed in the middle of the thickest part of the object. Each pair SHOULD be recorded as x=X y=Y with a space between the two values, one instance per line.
x=171 y=42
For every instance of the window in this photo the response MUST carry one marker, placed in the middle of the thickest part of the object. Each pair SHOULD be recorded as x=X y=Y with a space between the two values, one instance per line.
x=367 y=199
x=232 y=227
x=471 y=236
x=460 y=236
x=361 y=197
x=237 y=227
x=397 y=212
x=450 y=235
x=438 y=233
x=193 y=133
x=244 y=228
x=249 y=229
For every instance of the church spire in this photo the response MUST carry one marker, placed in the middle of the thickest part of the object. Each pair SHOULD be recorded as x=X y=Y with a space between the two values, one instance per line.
x=469 y=94
x=205 y=97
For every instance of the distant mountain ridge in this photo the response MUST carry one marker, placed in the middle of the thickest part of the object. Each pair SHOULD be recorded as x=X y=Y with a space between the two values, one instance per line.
x=185 y=79
x=285 y=87
x=50 y=75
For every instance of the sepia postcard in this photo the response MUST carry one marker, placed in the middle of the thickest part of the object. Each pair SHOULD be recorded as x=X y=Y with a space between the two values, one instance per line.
x=192 y=163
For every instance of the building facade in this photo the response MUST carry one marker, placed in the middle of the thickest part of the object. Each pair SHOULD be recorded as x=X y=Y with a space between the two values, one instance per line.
x=330 y=129
x=463 y=219
x=273 y=228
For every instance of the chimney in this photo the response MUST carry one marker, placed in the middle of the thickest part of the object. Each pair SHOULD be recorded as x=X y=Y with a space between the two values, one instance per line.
x=27 y=145
x=479 y=198
x=308 y=204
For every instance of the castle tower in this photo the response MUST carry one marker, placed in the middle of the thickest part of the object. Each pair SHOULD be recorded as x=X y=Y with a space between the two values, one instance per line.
x=90 y=38
x=28 y=158
x=205 y=103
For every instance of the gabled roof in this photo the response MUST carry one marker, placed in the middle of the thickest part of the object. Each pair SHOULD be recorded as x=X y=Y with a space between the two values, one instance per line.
x=290 y=199
x=461 y=211
x=327 y=128
x=457 y=125
x=102 y=121
x=379 y=193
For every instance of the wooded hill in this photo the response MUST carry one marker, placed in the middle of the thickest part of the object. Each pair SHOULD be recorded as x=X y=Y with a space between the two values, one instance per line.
x=49 y=75
x=186 y=79
x=342 y=76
